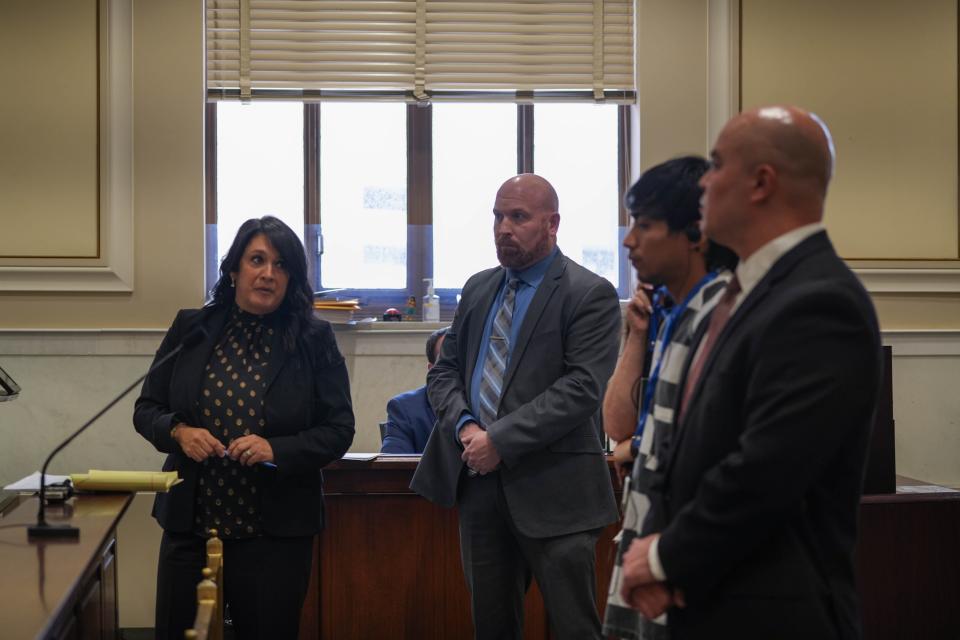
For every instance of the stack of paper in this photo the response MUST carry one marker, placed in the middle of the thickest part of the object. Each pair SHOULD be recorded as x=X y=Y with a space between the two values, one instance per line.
x=97 y=480
x=31 y=483
x=336 y=310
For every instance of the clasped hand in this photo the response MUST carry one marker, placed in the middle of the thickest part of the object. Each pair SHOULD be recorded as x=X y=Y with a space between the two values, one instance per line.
x=639 y=588
x=478 y=450
x=199 y=444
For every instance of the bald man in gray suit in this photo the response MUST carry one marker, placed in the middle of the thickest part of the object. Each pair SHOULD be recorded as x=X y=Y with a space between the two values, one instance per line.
x=518 y=444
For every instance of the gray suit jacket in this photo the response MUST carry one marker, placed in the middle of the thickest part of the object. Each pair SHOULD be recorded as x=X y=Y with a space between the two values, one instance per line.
x=548 y=431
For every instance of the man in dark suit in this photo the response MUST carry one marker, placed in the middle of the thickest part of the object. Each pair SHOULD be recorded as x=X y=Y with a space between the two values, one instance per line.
x=518 y=444
x=752 y=532
x=410 y=418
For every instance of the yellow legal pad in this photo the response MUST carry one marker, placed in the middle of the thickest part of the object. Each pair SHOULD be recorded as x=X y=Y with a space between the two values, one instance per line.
x=97 y=480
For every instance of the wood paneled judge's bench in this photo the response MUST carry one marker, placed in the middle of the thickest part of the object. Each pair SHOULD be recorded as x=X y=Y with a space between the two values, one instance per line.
x=388 y=564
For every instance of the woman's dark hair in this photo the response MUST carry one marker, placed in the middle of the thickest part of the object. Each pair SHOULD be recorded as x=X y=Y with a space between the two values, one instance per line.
x=295 y=313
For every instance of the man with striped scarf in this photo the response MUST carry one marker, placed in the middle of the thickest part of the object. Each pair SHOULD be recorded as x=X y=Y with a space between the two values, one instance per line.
x=680 y=275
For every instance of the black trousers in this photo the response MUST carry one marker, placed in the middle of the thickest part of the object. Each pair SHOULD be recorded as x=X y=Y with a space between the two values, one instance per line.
x=498 y=562
x=265 y=583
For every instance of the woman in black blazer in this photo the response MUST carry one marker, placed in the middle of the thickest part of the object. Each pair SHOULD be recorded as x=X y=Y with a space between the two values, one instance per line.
x=248 y=417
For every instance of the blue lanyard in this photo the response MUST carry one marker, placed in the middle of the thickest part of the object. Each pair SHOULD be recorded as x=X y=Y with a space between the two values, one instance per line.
x=660 y=301
x=670 y=325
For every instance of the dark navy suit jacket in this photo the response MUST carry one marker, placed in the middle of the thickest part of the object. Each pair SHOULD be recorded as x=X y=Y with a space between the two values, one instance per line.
x=409 y=422
x=761 y=491
x=309 y=423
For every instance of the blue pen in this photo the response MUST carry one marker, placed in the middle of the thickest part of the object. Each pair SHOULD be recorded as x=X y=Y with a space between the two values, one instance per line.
x=269 y=464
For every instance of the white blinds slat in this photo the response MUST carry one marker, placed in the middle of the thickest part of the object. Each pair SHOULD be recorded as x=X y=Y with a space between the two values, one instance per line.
x=245 y=50
x=420 y=46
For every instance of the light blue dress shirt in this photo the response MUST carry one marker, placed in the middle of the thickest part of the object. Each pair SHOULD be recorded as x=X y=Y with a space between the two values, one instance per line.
x=530 y=279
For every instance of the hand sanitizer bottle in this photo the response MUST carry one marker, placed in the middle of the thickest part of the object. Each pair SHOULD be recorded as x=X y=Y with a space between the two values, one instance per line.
x=431 y=303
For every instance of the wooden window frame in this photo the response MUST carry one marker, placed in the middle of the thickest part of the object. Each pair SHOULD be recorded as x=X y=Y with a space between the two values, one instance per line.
x=419 y=157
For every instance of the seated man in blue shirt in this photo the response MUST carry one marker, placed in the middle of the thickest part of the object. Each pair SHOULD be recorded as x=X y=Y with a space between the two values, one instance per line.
x=409 y=415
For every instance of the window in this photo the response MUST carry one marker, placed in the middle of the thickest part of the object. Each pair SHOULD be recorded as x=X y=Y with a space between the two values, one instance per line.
x=575 y=147
x=474 y=151
x=386 y=194
x=363 y=196
x=259 y=166
x=412 y=114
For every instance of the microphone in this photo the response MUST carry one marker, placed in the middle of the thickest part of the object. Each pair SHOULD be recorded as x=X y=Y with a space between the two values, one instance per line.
x=8 y=388
x=45 y=530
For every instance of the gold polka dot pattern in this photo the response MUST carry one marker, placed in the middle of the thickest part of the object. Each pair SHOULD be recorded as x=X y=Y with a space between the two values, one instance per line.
x=232 y=405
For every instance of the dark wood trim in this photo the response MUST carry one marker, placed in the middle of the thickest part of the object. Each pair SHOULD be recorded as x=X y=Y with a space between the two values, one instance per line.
x=311 y=192
x=210 y=162
x=419 y=197
x=624 y=133
x=311 y=163
x=525 y=138
x=419 y=164
x=624 y=174
x=211 y=264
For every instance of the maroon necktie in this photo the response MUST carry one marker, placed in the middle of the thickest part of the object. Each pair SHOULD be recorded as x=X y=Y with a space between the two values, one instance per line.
x=717 y=322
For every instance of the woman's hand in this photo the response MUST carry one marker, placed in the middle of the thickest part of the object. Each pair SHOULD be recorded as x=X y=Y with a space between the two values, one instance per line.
x=639 y=310
x=250 y=450
x=199 y=444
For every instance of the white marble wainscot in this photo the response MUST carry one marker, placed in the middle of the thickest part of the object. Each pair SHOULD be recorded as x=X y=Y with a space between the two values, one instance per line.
x=67 y=376
x=384 y=359
x=926 y=404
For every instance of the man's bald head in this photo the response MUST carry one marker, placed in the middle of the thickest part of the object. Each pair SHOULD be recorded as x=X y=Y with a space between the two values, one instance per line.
x=770 y=171
x=534 y=189
x=795 y=142
x=525 y=220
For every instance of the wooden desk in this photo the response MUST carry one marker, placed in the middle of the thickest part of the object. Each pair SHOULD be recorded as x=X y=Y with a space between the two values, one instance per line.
x=388 y=564
x=60 y=589
x=908 y=564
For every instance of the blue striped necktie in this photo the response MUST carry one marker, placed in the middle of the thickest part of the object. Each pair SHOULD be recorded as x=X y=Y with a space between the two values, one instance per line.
x=495 y=363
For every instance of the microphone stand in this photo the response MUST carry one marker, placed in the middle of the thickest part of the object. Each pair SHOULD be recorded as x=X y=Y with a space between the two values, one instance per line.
x=45 y=530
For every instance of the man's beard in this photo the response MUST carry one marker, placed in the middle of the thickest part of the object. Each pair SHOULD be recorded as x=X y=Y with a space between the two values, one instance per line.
x=513 y=257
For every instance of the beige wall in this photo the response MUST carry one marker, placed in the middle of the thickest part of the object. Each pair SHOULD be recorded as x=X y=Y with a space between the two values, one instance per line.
x=49 y=129
x=168 y=165
x=671 y=78
x=883 y=75
x=168 y=184
x=919 y=218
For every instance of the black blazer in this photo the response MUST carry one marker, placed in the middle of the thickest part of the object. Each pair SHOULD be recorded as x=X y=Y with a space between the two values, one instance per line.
x=548 y=433
x=758 y=511
x=309 y=423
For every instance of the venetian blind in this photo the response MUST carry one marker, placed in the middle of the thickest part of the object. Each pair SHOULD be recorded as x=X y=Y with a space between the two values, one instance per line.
x=421 y=49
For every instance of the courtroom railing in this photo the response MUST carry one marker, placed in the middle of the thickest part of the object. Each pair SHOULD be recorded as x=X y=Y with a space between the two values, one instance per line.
x=208 y=623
